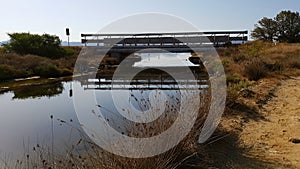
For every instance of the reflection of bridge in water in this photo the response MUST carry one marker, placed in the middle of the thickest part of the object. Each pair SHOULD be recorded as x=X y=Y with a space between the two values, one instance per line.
x=147 y=84
x=149 y=80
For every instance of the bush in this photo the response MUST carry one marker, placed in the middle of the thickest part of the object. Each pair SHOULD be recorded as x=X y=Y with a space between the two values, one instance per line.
x=9 y=72
x=255 y=70
x=232 y=78
x=66 y=72
x=6 y=72
x=277 y=66
x=47 y=70
x=43 y=45
x=68 y=51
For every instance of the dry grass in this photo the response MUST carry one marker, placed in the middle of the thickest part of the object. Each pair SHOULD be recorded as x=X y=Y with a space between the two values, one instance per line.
x=31 y=65
x=255 y=69
x=276 y=57
x=257 y=60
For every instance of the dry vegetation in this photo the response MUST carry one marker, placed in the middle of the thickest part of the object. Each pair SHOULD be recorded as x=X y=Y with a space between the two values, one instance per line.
x=254 y=73
x=246 y=64
x=20 y=66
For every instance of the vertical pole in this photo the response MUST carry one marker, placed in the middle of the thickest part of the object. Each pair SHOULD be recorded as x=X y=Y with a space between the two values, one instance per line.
x=68 y=34
x=243 y=39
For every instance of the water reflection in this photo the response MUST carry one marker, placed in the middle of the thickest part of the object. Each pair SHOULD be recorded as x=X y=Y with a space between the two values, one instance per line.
x=25 y=113
x=37 y=91
x=25 y=118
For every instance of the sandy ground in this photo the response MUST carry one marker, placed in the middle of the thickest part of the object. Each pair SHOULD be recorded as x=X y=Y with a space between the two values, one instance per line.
x=274 y=137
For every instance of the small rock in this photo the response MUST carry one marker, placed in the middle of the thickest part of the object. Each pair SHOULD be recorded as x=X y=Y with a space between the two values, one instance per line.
x=295 y=140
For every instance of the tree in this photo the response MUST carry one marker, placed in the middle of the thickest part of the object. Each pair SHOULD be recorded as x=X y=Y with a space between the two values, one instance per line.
x=285 y=27
x=43 y=45
x=288 y=26
x=266 y=29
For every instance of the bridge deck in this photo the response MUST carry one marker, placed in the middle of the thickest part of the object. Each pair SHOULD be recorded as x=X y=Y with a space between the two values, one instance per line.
x=180 y=42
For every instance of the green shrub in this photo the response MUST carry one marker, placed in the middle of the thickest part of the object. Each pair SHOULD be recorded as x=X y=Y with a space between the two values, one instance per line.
x=68 y=51
x=225 y=63
x=253 y=49
x=255 y=69
x=66 y=72
x=2 y=50
x=233 y=78
x=8 y=72
x=47 y=70
x=43 y=45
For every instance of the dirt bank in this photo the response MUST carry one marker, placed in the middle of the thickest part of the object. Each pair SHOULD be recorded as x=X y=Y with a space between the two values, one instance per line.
x=275 y=137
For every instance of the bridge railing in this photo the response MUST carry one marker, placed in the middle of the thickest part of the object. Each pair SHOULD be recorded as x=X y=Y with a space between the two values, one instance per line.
x=217 y=38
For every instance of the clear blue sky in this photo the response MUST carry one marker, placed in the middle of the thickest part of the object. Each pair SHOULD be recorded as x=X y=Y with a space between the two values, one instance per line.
x=82 y=16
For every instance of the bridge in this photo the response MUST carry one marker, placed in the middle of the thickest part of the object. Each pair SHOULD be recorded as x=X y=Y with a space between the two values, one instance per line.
x=120 y=46
x=156 y=42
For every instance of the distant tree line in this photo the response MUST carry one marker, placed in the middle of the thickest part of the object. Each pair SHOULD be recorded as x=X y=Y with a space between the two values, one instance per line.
x=285 y=27
x=42 y=45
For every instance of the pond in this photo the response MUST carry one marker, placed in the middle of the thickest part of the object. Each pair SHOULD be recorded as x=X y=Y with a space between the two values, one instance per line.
x=25 y=117
x=45 y=114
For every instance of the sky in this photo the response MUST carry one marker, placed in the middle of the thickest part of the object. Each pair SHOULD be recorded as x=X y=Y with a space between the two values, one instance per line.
x=89 y=16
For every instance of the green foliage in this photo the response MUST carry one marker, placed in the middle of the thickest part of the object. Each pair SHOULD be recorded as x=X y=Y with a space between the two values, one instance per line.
x=68 y=51
x=66 y=72
x=6 y=72
x=9 y=72
x=43 y=45
x=253 y=49
x=232 y=78
x=236 y=87
x=2 y=50
x=265 y=29
x=225 y=63
x=285 y=27
x=47 y=70
x=16 y=66
x=288 y=26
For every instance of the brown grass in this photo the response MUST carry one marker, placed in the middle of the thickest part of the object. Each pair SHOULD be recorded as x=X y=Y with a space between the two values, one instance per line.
x=22 y=66
x=255 y=69
x=257 y=60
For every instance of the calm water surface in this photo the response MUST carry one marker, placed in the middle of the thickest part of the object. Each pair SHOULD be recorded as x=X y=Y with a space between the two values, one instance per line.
x=25 y=117
x=25 y=113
